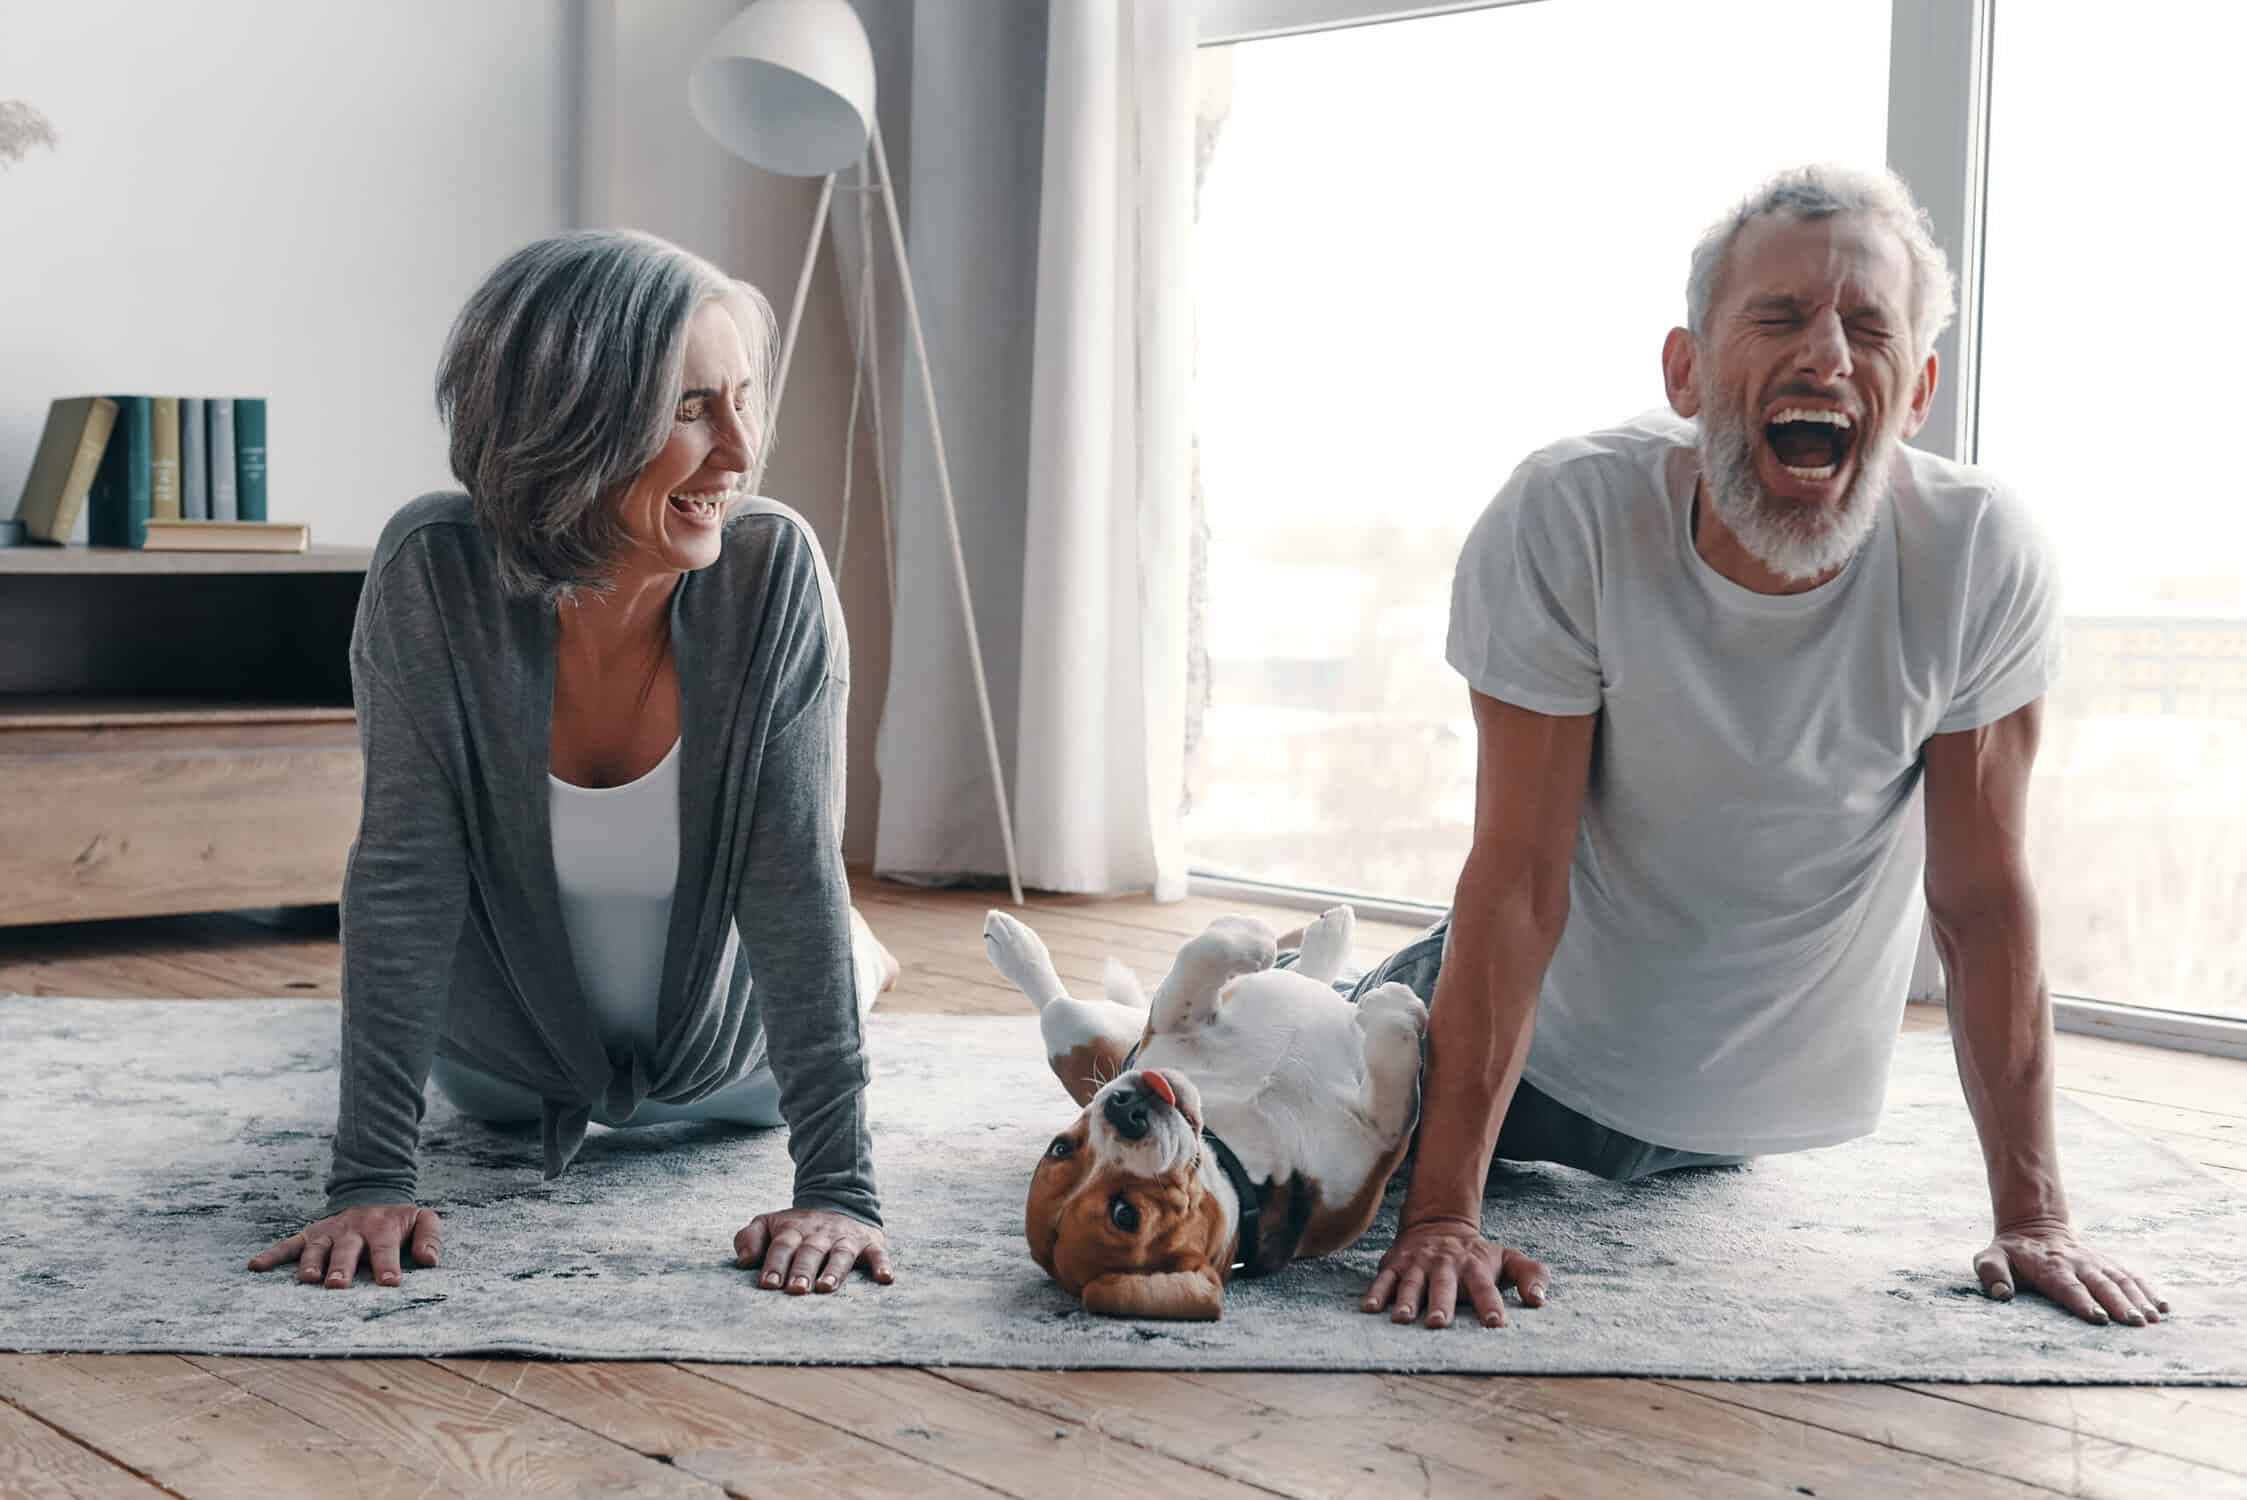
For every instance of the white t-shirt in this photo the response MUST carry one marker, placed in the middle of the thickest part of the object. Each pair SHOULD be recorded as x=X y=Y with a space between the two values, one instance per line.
x=616 y=860
x=1744 y=900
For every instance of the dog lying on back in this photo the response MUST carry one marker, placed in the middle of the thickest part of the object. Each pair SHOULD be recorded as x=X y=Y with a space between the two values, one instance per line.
x=1249 y=1117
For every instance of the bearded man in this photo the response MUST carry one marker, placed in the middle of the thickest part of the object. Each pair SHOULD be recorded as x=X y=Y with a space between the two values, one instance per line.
x=1746 y=678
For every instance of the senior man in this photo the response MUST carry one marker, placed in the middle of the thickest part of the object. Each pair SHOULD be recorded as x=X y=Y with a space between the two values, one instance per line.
x=1744 y=678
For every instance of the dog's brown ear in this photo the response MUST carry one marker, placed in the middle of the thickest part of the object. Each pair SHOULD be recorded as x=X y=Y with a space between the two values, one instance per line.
x=1185 y=1295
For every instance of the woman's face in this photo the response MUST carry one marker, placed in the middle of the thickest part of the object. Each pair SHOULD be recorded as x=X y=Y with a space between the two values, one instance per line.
x=675 y=512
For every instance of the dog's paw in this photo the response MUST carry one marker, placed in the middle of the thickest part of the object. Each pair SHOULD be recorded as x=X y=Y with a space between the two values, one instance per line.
x=1232 y=946
x=1394 y=1004
x=1018 y=953
x=1326 y=944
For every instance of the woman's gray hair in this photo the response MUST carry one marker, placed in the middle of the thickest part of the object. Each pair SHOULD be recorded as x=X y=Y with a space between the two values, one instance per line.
x=559 y=383
x=1819 y=192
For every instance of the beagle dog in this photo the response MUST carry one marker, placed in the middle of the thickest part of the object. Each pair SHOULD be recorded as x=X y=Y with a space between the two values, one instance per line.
x=1249 y=1117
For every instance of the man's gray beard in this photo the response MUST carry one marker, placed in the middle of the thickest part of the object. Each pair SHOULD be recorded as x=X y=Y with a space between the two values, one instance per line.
x=1796 y=541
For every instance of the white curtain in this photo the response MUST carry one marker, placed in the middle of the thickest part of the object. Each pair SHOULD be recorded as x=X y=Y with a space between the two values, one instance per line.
x=1101 y=744
x=1095 y=650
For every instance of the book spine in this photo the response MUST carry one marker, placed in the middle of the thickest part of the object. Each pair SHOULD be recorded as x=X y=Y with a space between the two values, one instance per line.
x=62 y=474
x=117 y=512
x=194 y=461
x=222 y=459
x=249 y=458
x=163 y=458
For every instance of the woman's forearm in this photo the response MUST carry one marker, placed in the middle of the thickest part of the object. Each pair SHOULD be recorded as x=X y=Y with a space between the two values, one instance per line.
x=795 y=921
x=405 y=896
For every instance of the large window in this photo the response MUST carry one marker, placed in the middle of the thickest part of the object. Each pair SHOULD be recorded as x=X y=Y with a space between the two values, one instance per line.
x=2111 y=332
x=1424 y=248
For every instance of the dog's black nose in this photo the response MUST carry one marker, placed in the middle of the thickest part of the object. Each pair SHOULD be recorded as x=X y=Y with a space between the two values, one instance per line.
x=1126 y=1109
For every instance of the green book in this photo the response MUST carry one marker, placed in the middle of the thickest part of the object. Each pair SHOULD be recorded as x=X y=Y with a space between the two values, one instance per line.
x=249 y=458
x=117 y=510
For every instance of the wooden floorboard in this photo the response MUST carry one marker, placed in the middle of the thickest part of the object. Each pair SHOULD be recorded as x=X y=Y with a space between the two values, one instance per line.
x=713 y=1431
x=1985 y=1439
x=38 y=1461
x=1030 y=1453
x=150 y=1424
x=462 y=1434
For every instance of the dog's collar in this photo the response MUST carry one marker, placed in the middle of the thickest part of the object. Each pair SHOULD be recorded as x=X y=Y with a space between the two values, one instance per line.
x=1244 y=1187
x=1251 y=1204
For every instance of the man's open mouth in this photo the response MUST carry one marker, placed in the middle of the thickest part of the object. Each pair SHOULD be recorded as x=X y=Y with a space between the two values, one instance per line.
x=1810 y=443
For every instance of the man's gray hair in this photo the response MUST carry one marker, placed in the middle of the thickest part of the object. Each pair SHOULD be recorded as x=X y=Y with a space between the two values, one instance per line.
x=558 y=385
x=1820 y=192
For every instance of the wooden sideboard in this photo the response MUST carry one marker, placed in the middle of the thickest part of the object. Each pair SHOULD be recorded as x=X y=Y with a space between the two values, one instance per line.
x=175 y=730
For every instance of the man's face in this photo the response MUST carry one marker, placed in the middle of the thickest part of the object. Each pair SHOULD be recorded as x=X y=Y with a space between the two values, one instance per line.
x=1806 y=379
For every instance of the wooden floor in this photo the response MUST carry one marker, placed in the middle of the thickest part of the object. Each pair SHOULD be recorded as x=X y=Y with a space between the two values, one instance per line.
x=144 y=1425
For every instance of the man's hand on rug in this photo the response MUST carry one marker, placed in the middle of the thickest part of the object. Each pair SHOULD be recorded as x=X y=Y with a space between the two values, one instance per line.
x=810 y=1250
x=2048 y=1257
x=1433 y=1260
x=329 y=1250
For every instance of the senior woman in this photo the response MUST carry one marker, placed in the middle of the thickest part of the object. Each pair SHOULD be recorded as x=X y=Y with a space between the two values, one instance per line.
x=601 y=698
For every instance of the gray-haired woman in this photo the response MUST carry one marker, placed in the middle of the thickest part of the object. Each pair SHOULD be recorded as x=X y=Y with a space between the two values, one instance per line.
x=601 y=698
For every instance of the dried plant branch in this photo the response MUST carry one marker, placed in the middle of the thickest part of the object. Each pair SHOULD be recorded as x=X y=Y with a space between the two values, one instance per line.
x=21 y=128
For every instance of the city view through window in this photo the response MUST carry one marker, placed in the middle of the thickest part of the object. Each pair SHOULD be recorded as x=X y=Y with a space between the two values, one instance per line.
x=1425 y=249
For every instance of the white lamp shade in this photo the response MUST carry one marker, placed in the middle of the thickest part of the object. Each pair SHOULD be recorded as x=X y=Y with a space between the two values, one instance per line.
x=789 y=86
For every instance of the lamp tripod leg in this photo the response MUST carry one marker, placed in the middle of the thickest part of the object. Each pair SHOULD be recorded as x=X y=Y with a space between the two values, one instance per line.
x=951 y=519
x=874 y=386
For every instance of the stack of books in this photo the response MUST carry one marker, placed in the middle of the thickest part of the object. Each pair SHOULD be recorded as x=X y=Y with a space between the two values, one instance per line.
x=183 y=473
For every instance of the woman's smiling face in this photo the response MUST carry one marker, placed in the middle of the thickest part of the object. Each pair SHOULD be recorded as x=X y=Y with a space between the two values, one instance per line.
x=675 y=512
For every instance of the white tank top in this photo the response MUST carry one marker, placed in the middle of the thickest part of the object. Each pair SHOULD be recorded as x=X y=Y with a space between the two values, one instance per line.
x=616 y=857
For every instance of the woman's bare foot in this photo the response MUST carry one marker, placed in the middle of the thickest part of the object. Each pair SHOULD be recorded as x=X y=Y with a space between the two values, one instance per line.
x=891 y=968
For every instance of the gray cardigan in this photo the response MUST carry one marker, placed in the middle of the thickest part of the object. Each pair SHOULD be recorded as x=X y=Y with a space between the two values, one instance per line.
x=452 y=919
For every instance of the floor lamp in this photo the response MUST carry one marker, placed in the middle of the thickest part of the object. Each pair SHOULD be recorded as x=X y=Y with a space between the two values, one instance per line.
x=788 y=86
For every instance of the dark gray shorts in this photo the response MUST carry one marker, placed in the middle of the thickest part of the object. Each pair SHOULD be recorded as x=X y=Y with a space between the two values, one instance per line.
x=1537 y=1127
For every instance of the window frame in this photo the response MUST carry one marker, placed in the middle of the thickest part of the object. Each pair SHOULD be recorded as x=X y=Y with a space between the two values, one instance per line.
x=1938 y=139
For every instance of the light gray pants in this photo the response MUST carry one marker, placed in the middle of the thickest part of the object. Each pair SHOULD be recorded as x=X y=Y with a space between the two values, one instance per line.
x=752 y=1099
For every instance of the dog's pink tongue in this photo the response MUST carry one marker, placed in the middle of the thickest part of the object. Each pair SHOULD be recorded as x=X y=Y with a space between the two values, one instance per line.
x=1159 y=1086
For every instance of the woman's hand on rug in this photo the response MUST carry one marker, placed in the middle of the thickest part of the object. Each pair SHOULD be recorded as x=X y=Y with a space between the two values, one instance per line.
x=2048 y=1256
x=1433 y=1260
x=329 y=1250
x=810 y=1250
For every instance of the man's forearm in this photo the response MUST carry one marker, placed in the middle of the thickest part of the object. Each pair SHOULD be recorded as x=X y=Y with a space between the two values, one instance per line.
x=2001 y=1031
x=1478 y=1038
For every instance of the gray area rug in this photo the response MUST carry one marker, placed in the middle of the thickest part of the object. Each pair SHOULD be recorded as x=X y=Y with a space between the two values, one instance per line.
x=149 y=1148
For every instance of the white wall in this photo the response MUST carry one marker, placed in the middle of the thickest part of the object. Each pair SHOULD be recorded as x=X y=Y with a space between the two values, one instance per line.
x=294 y=197
x=278 y=198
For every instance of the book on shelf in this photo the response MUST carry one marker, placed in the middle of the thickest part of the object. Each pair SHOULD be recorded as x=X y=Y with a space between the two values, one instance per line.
x=228 y=536
x=63 y=469
x=163 y=458
x=221 y=444
x=11 y=532
x=194 y=461
x=249 y=458
x=117 y=508
x=124 y=461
